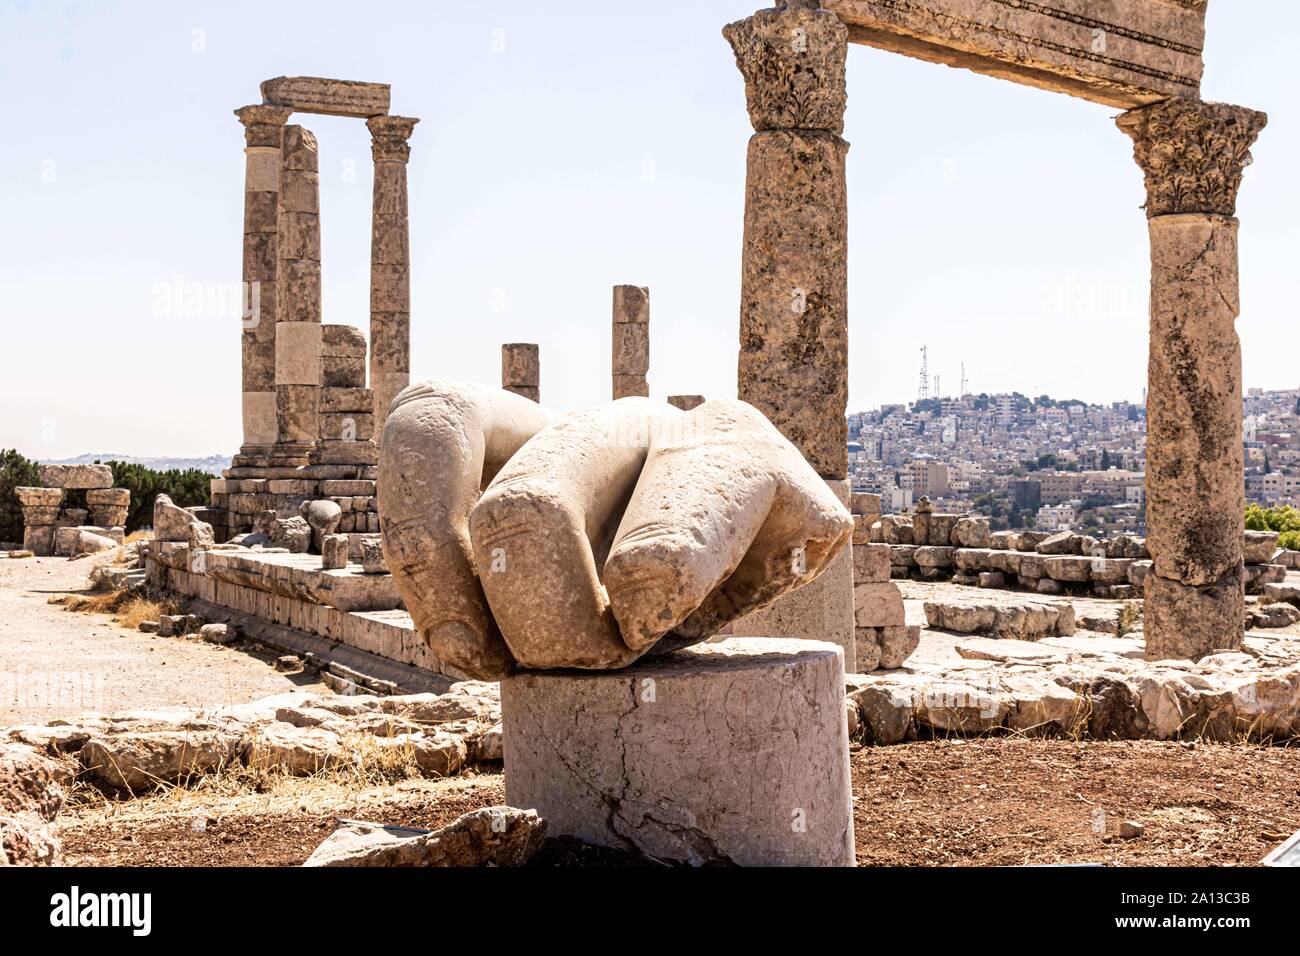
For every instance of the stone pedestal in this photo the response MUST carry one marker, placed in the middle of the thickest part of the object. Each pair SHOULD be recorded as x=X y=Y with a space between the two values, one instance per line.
x=1193 y=154
x=390 y=264
x=521 y=370
x=735 y=751
x=263 y=128
x=630 y=360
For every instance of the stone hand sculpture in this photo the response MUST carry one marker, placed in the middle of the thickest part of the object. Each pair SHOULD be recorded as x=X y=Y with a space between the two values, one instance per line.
x=518 y=539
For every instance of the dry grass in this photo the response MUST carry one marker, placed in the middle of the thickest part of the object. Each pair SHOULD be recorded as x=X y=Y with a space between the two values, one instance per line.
x=128 y=607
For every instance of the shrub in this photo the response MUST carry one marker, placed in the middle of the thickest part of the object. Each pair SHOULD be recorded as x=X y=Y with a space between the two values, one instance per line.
x=185 y=487
x=15 y=472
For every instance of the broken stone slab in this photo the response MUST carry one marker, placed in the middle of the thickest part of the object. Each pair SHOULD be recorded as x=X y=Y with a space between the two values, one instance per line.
x=1063 y=542
x=293 y=534
x=735 y=751
x=32 y=787
x=971 y=532
x=1274 y=615
x=372 y=556
x=1028 y=621
x=1259 y=546
x=149 y=759
x=492 y=836
x=75 y=476
x=1003 y=651
x=315 y=94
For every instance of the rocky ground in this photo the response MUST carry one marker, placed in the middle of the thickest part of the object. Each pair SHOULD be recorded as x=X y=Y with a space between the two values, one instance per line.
x=939 y=800
x=999 y=801
x=109 y=667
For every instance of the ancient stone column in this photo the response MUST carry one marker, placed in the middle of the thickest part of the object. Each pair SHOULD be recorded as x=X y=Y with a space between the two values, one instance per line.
x=1193 y=154
x=521 y=370
x=794 y=274
x=298 y=302
x=263 y=127
x=631 y=341
x=794 y=282
x=390 y=264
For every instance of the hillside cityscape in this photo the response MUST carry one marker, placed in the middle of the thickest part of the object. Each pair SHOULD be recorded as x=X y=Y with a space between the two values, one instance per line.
x=1048 y=464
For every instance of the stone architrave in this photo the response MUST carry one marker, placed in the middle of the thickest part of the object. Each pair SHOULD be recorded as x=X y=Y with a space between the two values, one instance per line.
x=1192 y=154
x=794 y=283
x=390 y=264
x=521 y=370
x=317 y=94
x=1123 y=53
x=263 y=128
x=631 y=341
x=298 y=291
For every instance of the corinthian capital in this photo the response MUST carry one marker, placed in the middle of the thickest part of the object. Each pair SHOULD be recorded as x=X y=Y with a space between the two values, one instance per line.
x=388 y=136
x=792 y=58
x=1193 y=153
x=263 y=123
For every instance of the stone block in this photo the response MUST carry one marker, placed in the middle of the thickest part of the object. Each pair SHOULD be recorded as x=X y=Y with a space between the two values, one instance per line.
x=878 y=605
x=334 y=551
x=729 y=752
x=871 y=563
x=75 y=476
x=39 y=540
x=314 y=94
x=685 y=402
x=30 y=497
x=119 y=497
x=297 y=353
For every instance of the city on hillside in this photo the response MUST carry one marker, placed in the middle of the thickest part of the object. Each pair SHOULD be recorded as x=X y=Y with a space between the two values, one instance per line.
x=1048 y=464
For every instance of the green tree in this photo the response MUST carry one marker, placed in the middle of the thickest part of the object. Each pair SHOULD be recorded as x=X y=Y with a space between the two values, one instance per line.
x=16 y=471
x=185 y=487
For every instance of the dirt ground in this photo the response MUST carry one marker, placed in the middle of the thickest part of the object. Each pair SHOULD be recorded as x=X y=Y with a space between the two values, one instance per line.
x=987 y=801
x=997 y=801
x=54 y=663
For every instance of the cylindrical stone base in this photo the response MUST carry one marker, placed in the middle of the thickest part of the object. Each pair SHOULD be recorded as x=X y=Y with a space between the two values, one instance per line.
x=729 y=752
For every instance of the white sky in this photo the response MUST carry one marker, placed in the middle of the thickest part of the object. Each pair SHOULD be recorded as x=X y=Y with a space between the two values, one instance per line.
x=605 y=143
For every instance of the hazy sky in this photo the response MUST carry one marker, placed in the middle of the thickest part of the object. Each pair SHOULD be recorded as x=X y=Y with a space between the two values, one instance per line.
x=564 y=148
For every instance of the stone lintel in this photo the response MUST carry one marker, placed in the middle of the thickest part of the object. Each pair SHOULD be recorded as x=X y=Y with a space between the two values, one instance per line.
x=315 y=94
x=1122 y=53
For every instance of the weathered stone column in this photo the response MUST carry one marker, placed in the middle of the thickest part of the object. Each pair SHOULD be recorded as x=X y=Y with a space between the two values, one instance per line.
x=631 y=341
x=521 y=370
x=794 y=273
x=1193 y=154
x=298 y=302
x=390 y=264
x=794 y=280
x=263 y=127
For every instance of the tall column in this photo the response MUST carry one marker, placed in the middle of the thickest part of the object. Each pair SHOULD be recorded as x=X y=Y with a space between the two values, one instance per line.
x=263 y=127
x=794 y=274
x=794 y=279
x=390 y=264
x=631 y=341
x=1192 y=154
x=521 y=370
x=298 y=301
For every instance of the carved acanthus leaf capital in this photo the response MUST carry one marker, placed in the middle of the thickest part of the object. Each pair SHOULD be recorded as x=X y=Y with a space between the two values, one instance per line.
x=1193 y=153
x=388 y=136
x=263 y=123
x=792 y=58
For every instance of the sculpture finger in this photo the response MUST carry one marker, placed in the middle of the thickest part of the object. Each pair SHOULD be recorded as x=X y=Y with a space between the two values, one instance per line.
x=726 y=518
x=543 y=527
x=442 y=443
